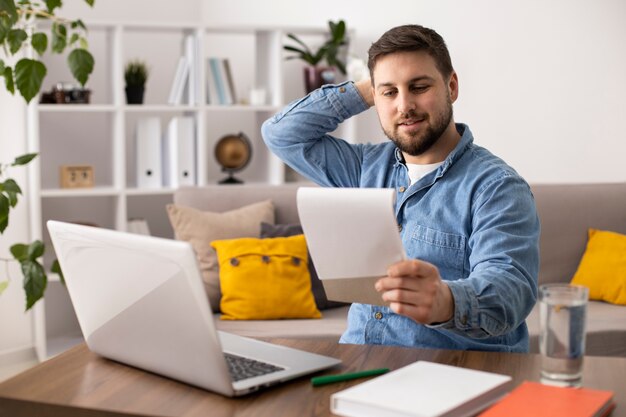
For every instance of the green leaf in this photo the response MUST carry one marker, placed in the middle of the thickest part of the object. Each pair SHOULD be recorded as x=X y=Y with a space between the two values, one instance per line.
x=35 y=281
x=8 y=9
x=16 y=37
x=3 y=286
x=81 y=63
x=19 y=252
x=4 y=212
x=79 y=24
x=8 y=80
x=56 y=268
x=59 y=37
x=74 y=38
x=35 y=250
x=295 y=38
x=29 y=75
x=11 y=185
x=24 y=159
x=39 y=42
x=90 y=2
x=83 y=43
x=52 y=4
x=11 y=188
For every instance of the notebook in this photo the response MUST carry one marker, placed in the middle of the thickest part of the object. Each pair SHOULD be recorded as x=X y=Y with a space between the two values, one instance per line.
x=422 y=389
x=539 y=400
x=352 y=235
x=140 y=300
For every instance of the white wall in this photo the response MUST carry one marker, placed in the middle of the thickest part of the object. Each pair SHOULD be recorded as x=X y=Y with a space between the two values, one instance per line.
x=541 y=82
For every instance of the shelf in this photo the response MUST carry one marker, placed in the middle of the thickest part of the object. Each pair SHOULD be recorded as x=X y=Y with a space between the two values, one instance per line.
x=147 y=108
x=81 y=192
x=150 y=108
x=149 y=191
x=69 y=108
x=241 y=107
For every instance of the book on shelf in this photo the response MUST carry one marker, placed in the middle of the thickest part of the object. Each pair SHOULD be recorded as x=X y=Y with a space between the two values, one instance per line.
x=220 y=85
x=179 y=153
x=211 y=84
x=190 y=55
x=230 y=84
x=422 y=389
x=148 y=152
x=218 y=80
x=179 y=83
x=539 y=400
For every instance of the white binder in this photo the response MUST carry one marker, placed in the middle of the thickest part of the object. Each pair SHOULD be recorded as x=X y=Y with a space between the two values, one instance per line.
x=179 y=153
x=148 y=152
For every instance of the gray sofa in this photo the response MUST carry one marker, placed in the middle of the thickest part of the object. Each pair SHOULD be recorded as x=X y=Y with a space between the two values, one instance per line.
x=565 y=211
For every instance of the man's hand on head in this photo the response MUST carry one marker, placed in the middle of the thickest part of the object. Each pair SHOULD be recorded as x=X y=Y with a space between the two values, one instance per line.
x=364 y=87
x=415 y=289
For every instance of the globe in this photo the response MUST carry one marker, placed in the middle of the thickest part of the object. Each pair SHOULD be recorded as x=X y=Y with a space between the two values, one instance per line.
x=233 y=152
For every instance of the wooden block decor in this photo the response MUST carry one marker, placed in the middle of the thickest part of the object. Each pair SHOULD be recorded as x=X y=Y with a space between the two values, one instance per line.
x=77 y=176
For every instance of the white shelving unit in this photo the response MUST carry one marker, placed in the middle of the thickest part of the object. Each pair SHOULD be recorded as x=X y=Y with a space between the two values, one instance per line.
x=102 y=134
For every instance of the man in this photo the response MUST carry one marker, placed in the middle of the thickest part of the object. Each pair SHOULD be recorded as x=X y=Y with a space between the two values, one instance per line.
x=467 y=220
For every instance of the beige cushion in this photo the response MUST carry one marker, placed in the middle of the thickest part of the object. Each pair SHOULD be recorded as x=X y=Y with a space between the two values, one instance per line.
x=201 y=227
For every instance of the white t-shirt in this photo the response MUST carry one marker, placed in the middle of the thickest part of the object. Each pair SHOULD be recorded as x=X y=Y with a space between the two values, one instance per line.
x=417 y=171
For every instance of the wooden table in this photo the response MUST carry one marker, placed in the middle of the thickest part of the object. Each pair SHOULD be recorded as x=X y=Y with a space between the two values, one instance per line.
x=79 y=383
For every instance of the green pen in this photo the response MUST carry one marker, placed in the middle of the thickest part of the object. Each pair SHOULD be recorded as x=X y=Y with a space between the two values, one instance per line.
x=329 y=379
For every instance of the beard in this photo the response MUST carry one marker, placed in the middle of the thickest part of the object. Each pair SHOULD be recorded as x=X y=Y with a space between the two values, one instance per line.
x=417 y=143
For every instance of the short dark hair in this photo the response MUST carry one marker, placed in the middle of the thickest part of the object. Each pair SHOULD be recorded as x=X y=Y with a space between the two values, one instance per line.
x=409 y=38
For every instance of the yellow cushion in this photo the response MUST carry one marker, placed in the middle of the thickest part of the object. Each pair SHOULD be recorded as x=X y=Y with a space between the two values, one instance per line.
x=603 y=267
x=265 y=279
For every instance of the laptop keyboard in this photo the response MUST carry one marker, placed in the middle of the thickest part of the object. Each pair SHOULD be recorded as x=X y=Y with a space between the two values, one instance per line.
x=244 y=368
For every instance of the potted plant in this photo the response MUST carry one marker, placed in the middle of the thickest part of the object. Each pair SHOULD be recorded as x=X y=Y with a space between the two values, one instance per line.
x=135 y=75
x=332 y=51
x=18 y=32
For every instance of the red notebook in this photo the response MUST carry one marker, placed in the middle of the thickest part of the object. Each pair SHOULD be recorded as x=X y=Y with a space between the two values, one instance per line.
x=539 y=400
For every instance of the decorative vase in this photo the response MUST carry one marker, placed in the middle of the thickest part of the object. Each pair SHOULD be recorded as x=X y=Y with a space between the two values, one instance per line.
x=315 y=77
x=134 y=94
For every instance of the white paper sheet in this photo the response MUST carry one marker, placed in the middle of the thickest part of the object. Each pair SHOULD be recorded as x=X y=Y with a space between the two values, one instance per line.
x=351 y=233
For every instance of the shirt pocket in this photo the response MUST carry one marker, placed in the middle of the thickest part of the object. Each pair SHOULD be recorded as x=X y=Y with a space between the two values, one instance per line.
x=444 y=250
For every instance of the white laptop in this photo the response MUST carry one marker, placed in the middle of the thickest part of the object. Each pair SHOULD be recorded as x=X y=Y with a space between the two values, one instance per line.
x=140 y=300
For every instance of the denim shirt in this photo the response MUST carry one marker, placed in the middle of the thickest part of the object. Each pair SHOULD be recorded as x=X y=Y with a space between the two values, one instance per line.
x=474 y=218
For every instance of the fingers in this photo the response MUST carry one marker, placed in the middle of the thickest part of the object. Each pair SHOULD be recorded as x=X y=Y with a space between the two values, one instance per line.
x=412 y=267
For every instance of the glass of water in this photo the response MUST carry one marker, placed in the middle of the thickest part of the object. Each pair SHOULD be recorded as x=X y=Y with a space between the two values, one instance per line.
x=562 y=309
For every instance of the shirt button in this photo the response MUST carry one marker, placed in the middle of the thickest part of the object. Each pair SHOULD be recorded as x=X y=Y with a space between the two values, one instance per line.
x=464 y=320
x=265 y=259
x=378 y=315
x=342 y=89
x=234 y=261
x=402 y=189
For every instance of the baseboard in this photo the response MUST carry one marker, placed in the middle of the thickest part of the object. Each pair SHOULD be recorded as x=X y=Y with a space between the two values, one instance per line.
x=18 y=355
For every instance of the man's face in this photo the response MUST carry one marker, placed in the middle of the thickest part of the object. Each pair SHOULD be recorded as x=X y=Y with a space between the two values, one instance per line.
x=413 y=101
